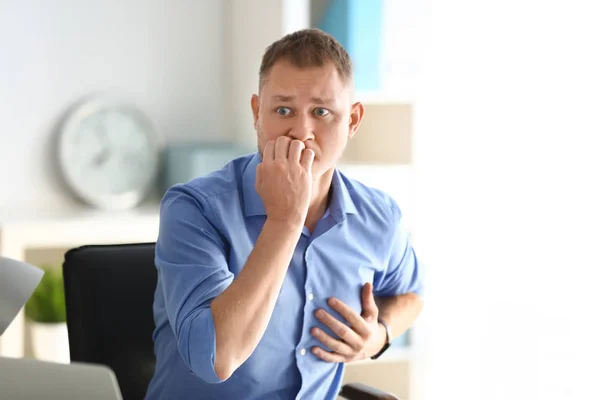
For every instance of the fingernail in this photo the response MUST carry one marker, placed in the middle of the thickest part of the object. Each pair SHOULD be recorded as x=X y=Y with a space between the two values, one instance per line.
x=332 y=301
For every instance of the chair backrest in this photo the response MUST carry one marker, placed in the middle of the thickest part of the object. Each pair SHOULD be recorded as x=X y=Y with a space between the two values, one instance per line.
x=109 y=293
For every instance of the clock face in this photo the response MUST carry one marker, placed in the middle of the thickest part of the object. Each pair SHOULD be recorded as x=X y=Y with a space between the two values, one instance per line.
x=109 y=154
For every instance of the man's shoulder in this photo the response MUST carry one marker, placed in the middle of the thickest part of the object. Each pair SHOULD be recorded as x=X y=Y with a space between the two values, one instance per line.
x=222 y=182
x=369 y=200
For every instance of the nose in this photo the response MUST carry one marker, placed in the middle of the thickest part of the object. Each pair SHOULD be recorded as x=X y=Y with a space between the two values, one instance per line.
x=302 y=128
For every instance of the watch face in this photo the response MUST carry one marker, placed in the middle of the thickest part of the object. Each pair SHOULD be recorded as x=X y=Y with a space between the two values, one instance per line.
x=109 y=154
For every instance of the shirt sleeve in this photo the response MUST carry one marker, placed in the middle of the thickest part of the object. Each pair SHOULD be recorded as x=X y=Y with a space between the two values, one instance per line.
x=192 y=266
x=404 y=272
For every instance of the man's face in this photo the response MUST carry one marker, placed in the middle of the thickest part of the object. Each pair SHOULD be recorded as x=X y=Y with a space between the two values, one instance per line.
x=312 y=105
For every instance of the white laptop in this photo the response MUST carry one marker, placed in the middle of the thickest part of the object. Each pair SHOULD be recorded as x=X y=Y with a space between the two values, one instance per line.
x=18 y=280
x=27 y=379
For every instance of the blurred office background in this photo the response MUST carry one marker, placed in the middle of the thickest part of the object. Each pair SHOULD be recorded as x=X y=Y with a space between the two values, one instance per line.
x=474 y=124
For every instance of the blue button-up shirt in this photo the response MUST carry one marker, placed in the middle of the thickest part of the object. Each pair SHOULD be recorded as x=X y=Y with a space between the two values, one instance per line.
x=209 y=226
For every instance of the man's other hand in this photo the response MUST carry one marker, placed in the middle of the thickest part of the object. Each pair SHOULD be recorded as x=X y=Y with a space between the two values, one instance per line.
x=364 y=337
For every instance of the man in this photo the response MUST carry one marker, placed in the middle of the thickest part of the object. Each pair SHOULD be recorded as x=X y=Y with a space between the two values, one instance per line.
x=277 y=269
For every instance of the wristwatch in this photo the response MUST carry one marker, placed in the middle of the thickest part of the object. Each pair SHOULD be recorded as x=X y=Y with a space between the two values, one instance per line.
x=388 y=339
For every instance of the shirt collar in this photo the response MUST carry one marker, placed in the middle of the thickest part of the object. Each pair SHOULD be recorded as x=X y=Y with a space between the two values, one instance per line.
x=341 y=201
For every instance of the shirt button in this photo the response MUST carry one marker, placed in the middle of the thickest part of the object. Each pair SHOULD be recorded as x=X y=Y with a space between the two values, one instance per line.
x=302 y=352
x=310 y=297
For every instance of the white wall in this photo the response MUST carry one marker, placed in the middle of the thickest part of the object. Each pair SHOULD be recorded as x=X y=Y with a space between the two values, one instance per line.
x=251 y=26
x=508 y=201
x=166 y=58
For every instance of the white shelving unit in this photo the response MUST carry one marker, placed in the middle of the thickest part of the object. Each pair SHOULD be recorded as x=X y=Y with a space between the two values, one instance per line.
x=25 y=230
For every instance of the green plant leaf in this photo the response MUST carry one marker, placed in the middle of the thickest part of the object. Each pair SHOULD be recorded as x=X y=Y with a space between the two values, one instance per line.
x=47 y=304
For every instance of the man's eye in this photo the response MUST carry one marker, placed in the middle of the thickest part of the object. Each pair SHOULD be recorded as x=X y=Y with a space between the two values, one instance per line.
x=321 y=112
x=283 y=111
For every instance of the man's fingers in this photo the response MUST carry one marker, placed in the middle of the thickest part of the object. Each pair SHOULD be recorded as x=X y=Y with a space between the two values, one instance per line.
x=258 y=182
x=342 y=330
x=307 y=159
x=369 y=308
x=333 y=344
x=282 y=146
x=356 y=321
x=269 y=151
x=295 y=152
x=328 y=356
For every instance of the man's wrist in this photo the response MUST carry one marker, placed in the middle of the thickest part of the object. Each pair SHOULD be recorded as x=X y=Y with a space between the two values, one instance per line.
x=291 y=224
x=381 y=339
x=285 y=226
x=385 y=339
x=382 y=336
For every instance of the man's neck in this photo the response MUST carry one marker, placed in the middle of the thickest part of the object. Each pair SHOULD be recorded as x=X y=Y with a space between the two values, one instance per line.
x=320 y=199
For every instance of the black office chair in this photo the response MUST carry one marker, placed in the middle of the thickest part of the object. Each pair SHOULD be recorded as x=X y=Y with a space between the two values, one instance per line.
x=109 y=292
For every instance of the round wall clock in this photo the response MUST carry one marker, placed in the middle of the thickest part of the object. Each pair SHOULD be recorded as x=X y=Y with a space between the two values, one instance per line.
x=109 y=153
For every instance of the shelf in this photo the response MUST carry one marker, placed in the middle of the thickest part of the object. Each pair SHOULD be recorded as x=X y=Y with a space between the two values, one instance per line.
x=385 y=136
x=73 y=226
x=23 y=229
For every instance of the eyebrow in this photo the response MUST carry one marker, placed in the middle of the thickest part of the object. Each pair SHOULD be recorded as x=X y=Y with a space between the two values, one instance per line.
x=287 y=99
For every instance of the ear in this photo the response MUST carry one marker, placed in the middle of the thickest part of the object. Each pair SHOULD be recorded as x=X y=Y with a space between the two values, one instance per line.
x=255 y=105
x=356 y=115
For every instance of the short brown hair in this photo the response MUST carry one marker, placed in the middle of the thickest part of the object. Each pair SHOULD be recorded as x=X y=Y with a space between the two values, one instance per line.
x=307 y=48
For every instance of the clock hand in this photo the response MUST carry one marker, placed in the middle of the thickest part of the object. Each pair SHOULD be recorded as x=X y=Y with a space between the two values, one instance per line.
x=105 y=153
x=104 y=134
x=101 y=157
